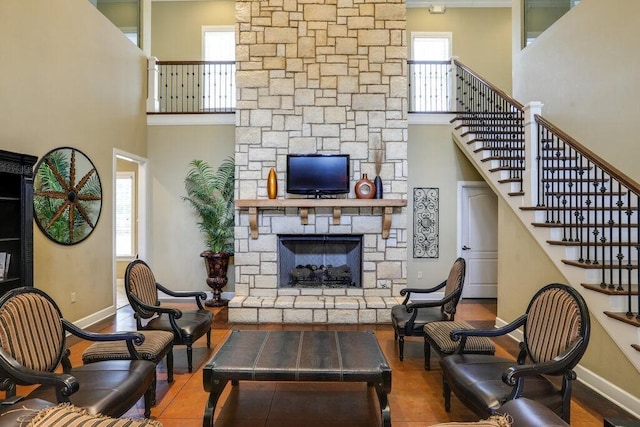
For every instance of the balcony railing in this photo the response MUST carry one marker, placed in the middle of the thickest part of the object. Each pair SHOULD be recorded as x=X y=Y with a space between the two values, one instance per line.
x=194 y=87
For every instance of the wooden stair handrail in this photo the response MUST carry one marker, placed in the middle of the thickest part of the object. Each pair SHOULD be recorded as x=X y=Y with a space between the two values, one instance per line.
x=494 y=88
x=593 y=157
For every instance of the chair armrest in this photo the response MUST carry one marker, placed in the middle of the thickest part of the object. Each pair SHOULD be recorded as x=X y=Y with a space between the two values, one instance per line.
x=172 y=312
x=64 y=384
x=199 y=295
x=408 y=291
x=555 y=366
x=132 y=339
x=434 y=303
x=456 y=334
x=136 y=337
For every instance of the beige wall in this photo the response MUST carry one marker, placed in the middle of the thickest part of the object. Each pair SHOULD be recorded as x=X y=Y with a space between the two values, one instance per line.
x=69 y=78
x=435 y=161
x=589 y=88
x=523 y=271
x=481 y=38
x=175 y=242
x=177 y=26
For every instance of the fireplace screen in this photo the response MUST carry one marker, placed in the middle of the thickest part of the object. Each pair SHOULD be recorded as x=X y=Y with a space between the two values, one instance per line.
x=320 y=260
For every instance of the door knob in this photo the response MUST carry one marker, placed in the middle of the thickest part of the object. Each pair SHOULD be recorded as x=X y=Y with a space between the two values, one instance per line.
x=465 y=248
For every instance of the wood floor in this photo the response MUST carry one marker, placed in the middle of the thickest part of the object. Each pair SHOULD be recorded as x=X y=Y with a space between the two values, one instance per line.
x=415 y=398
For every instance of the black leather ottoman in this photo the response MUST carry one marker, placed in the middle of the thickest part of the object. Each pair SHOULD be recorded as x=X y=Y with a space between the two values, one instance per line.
x=298 y=356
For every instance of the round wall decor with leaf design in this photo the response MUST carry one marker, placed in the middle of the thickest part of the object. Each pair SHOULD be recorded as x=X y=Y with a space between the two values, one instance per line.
x=67 y=197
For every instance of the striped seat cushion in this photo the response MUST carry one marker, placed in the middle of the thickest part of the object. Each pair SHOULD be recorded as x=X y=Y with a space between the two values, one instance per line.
x=155 y=345
x=439 y=334
x=67 y=415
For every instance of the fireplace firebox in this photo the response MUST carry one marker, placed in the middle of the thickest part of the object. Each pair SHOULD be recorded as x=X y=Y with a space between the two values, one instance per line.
x=319 y=260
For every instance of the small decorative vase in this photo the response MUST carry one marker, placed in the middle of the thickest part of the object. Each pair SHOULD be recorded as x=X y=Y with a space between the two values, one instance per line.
x=365 y=188
x=378 y=183
x=272 y=184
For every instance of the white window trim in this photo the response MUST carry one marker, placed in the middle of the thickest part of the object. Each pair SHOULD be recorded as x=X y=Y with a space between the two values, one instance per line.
x=432 y=34
x=132 y=176
x=211 y=28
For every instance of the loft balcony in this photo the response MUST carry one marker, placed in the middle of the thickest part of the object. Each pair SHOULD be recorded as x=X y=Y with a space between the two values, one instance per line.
x=209 y=87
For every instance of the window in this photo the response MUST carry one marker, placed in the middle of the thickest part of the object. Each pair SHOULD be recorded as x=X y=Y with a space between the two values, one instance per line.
x=430 y=46
x=219 y=45
x=429 y=74
x=125 y=214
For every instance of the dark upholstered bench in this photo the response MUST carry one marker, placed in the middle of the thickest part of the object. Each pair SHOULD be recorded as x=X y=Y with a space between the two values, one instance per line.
x=298 y=356
x=437 y=335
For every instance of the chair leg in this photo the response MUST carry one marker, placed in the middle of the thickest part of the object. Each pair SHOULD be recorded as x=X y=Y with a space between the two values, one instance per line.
x=190 y=357
x=153 y=387
x=170 y=366
x=427 y=355
x=446 y=393
x=401 y=347
x=209 y=338
x=149 y=398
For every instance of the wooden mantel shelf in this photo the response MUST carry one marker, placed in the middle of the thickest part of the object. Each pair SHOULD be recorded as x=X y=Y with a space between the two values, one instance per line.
x=303 y=205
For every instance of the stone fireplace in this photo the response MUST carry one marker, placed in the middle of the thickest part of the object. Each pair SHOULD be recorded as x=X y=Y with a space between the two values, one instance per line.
x=328 y=77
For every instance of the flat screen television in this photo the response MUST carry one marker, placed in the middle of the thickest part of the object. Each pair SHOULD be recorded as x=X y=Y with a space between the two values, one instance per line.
x=318 y=174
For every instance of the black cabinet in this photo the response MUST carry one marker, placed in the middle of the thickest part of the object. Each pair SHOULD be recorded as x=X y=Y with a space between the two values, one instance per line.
x=16 y=219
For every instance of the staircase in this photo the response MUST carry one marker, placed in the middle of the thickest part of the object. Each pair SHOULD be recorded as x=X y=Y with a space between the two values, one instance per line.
x=580 y=209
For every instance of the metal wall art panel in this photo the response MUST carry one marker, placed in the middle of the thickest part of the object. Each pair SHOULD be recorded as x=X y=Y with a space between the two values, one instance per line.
x=426 y=206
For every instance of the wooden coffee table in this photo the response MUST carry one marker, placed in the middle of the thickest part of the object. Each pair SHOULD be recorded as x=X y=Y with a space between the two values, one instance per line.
x=298 y=356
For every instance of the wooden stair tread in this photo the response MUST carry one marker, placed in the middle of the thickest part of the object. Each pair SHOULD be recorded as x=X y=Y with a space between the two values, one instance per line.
x=635 y=347
x=585 y=193
x=606 y=290
x=489 y=148
x=629 y=320
x=588 y=180
x=591 y=266
x=575 y=208
x=572 y=225
x=562 y=243
x=481 y=139
x=516 y=193
x=506 y=168
x=509 y=158
x=509 y=180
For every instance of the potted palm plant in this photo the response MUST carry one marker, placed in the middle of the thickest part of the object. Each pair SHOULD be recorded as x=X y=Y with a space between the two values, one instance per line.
x=210 y=194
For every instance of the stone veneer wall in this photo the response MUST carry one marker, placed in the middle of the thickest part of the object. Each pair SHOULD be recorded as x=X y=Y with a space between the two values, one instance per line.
x=319 y=76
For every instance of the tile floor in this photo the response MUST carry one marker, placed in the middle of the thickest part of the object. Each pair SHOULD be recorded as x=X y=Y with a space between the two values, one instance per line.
x=415 y=398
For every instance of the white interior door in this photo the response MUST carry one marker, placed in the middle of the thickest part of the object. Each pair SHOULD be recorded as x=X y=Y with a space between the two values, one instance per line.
x=479 y=240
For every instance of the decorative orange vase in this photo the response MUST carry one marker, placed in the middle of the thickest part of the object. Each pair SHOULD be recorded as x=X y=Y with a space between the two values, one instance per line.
x=272 y=184
x=365 y=188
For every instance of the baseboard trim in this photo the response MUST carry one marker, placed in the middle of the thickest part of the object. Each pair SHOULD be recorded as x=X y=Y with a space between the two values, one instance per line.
x=87 y=322
x=595 y=382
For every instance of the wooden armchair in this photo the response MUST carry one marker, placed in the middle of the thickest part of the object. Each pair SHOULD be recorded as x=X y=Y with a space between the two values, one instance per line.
x=187 y=326
x=556 y=329
x=410 y=317
x=32 y=339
